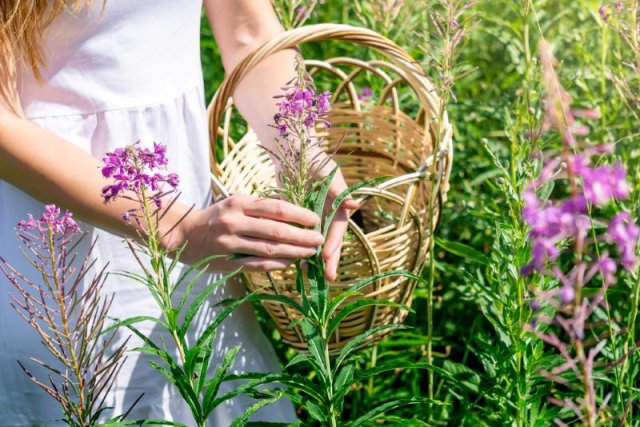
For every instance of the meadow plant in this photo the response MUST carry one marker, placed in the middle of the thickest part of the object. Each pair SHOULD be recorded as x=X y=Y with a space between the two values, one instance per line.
x=294 y=13
x=68 y=312
x=451 y=24
x=137 y=173
x=623 y=17
x=304 y=181
x=567 y=246
x=396 y=19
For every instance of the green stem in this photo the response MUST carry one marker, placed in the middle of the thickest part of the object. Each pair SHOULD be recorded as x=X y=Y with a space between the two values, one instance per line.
x=333 y=418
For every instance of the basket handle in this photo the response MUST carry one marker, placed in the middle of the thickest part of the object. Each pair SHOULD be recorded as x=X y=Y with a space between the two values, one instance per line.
x=311 y=33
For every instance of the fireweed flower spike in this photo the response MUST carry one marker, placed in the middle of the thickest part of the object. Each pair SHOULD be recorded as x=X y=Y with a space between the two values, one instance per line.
x=68 y=314
x=297 y=150
x=567 y=222
x=139 y=174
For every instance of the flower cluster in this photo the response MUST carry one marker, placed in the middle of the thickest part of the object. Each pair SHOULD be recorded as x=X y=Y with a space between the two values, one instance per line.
x=301 y=105
x=553 y=223
x=567 y=222
x=68 y=310
x=366 y=94
x=50 y=220
x=296 y=150
x=133 y=169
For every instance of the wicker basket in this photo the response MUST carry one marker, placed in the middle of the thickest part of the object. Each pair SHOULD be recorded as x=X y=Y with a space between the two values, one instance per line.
x=391 y=135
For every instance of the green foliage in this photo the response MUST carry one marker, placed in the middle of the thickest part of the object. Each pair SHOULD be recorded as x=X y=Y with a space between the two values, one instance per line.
x=489 y=364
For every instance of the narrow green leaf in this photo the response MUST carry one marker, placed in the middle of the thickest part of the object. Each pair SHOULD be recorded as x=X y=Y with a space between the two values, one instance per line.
x=255 y=408
x=401 y=364
x=292 y=380
x=118 y=423
x=315 y=411
x=213 y=385
x=341 y=387
x=357 y=305
x=353 y=343
x=318 y=288
x=366 y=282
x=338 y=200
x=131 y=321
x=200 y=299
x=321 y=199
x=335 y=303
x=196 y=266
x=371 y=415
x=463 y=250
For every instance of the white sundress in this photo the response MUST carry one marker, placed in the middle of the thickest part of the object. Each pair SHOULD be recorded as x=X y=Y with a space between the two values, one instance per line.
x=114 y=76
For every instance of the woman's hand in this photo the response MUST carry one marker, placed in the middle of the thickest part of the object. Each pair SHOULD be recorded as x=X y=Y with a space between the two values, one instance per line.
x=337 y=229
x=266 y=231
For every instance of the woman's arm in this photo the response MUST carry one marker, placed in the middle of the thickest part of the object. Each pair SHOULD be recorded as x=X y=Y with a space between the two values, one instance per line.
x=240 y=27
x=55 y=171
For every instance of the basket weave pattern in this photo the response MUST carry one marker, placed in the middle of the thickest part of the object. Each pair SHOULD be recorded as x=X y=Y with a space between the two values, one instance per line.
x=392 y=134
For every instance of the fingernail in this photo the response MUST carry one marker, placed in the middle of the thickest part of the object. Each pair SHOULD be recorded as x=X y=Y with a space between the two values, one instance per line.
x=318 y=239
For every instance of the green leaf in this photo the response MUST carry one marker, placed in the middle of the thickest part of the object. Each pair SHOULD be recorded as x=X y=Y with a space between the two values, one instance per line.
x=341 y=387
x=213 y=385
x=315 y=411
x=463 y=250
x=338 y=200
x=254 y=408
x=291 y=380
x=321 y=198
x=401 y=364
x=357 y=305
x=318 y=288
x=366 y=282
x=369 y=416
x=335 y=302
x=199 y=300
x=131 y=321
x=354 y=342
x=116 y=423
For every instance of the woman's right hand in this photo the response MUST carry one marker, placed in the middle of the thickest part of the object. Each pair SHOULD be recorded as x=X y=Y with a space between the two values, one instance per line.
x=268 y=232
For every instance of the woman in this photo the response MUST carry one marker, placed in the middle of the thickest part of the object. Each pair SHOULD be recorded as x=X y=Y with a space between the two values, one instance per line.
x=104 y=75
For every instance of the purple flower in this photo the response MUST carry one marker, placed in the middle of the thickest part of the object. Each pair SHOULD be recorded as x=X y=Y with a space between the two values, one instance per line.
x=324 y=103
x=607 y=268
x=136 y=169
x=367 y=93
x=624 y=233
x=51 y=220
x=604 y=183
x=567 y=293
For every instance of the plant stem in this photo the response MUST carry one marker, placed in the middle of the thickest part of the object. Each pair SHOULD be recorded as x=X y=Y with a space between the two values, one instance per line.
x=60 y=300
x=333 y=418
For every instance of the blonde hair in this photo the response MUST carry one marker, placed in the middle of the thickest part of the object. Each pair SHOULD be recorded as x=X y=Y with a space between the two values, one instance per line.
x=22 y=26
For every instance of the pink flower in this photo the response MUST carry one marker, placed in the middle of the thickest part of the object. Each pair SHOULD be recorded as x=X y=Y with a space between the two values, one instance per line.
x=366 y=94
x=602 y=184
x=624 y=233
x=136 y=169
x=51 y=220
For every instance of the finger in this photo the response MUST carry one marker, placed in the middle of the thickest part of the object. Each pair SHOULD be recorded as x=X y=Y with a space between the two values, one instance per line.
x=331 y=265
x=253 y=263
x=337 y=187
x=281 y=211
x=331 y=250
x=271 y=249
x=277 y=231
